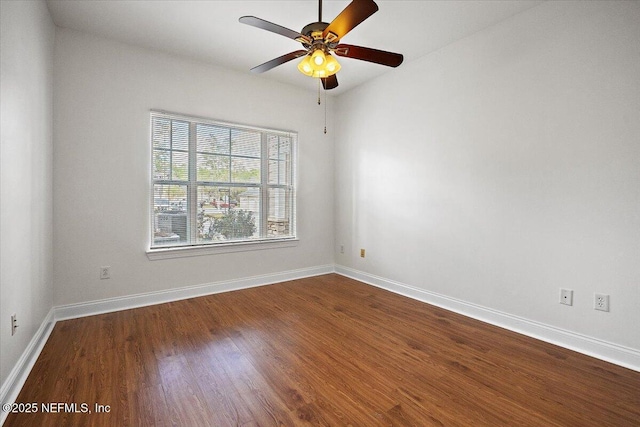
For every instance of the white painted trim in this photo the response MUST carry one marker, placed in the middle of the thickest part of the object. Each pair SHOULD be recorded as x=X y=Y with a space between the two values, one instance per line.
x=91 y=308
x=18 y=375
x=609 y=352
x=219 y=248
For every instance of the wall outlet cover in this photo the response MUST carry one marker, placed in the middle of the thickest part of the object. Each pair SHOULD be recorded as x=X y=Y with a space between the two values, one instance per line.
x=601 y=302
x=14 y=323
x=566 y=296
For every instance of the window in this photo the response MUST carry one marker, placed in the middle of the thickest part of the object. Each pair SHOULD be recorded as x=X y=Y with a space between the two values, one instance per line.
x=219 y=184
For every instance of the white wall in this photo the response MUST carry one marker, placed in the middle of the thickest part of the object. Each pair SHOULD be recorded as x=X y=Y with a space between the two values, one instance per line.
x=102 y=97
x=503 y=167
x=26 y=75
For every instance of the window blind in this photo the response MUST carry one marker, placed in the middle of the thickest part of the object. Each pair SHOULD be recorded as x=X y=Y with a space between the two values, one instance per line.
x=219 y=183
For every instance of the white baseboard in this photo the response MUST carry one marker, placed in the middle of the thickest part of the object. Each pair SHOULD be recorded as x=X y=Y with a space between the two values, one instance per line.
x=18 y=375
x=73 y=311
x=613 y=353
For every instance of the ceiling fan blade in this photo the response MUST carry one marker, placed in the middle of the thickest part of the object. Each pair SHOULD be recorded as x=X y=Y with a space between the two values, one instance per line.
x=275 y=28
x=352 y=15
x=382 y=57
x=278 y=61
x=330 y=82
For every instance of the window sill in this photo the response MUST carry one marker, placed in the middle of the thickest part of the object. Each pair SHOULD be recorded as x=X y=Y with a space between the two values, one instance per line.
x=220 y=248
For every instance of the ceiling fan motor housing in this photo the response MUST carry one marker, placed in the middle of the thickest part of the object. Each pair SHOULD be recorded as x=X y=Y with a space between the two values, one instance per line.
x=314 y=27
x=314 y=31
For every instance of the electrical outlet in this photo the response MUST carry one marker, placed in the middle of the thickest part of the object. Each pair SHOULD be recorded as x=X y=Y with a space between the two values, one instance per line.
x=14 y=323
x=105 y=272
x=361 y=253
x=601 y=302
x=566 y=296
x=341 y=249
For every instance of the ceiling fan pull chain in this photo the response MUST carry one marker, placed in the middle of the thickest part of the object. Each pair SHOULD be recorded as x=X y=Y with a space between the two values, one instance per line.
x=325 y=111
x=318 y=91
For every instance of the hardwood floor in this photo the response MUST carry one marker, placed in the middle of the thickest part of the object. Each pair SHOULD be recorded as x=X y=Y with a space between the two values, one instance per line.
x=325 y=350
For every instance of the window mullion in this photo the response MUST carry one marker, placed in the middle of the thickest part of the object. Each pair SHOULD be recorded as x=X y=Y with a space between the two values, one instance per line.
x=171 y=149
x=230 y=161
x=264 y=185
x=192 y=187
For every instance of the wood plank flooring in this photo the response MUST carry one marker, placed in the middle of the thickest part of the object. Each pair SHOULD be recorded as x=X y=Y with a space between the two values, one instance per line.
x=324 y=351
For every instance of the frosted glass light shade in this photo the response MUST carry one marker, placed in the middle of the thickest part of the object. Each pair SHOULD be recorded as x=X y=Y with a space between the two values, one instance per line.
x=319 y=64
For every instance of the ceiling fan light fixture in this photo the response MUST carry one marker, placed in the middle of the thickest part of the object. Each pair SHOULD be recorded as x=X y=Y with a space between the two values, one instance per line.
x=319 y=64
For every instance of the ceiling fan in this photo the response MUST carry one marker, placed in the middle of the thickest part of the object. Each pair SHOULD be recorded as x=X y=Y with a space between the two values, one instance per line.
x=320 y=39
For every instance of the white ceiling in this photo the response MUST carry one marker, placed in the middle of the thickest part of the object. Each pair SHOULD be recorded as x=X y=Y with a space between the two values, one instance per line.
x=209 y=30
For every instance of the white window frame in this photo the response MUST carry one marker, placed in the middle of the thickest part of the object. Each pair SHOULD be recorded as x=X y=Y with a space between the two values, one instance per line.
x=219 y=247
